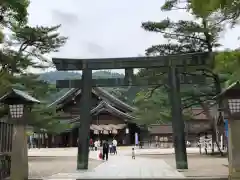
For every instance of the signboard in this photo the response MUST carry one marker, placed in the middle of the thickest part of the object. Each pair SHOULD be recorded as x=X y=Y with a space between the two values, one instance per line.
x=136 y=138
x=226 y=127
x=112 y=82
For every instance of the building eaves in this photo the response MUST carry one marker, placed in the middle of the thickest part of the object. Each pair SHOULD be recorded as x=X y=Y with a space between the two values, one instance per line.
x=103 y=94
x=113 y=100
x=62 y=98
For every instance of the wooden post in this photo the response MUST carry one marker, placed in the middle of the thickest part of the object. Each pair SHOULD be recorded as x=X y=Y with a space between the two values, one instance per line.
x=85 y=114
x=177 y=120
x=70 y=139
x=49 y=141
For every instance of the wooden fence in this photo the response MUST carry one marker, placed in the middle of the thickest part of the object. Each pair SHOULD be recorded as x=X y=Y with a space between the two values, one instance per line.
x=6 y=131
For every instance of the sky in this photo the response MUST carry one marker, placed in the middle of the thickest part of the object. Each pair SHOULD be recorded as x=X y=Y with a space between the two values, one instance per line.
x=108 y=28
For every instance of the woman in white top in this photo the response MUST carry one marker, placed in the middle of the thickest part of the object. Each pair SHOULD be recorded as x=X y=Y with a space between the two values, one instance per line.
x=114 y=142
x=96 y=145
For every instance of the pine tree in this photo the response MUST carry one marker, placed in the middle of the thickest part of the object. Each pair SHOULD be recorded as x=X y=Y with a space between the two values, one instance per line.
x=23 y=48
x=200 y=35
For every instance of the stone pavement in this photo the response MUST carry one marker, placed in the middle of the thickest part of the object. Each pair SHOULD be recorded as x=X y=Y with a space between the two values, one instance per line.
x=67 y=152
x=41 y=167
x=123 y=166
x=120 y=166
x=204 y=166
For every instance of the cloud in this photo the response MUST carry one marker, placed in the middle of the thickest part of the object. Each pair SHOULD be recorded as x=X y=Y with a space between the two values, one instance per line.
x=107 y=28
x=68 y=19
x=96 y=49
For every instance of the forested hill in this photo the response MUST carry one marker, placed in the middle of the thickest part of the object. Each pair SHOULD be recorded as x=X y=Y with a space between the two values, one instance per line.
x=122 y=93
x=53 y=76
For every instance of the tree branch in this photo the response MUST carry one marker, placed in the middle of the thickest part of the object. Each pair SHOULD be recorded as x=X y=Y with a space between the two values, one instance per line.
x=150 y=93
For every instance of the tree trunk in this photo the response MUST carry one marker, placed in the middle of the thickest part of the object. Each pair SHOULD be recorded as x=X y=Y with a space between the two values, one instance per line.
x=219 y=149
x=214 y=140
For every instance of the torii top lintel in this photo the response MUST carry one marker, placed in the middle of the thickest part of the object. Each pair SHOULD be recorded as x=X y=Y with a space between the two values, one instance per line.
x=199 y=60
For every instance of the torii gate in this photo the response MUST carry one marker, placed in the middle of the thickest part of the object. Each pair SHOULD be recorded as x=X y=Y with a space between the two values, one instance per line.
x=172 y=64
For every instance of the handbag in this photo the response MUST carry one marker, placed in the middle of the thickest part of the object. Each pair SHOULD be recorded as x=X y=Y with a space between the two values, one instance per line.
x=100 y=155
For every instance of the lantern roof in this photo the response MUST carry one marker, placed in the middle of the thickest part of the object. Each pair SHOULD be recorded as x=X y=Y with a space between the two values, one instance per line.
x=231 y=90
x=17 y=96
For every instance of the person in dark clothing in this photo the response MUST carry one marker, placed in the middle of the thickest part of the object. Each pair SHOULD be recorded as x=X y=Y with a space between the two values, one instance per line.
x=105 y=150
x=91 y=144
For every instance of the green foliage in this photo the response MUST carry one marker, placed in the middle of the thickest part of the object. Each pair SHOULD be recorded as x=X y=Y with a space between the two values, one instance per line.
x=42 y=40
x=13 y=12
x=200 y=35
x=229 y=63
x=228 y=9
x=46 y=119
x=24 y=48
x=152 y=108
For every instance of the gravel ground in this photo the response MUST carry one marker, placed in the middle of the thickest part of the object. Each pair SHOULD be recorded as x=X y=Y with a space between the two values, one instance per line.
x=199 y=165
x=40 y=167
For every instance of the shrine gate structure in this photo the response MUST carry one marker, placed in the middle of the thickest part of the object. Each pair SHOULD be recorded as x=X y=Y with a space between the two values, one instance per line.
x=173 y=65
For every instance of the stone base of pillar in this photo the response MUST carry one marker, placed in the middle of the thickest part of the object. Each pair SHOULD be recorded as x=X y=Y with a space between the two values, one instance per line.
x=19 y=155
x=234 y=176
x=234 y=149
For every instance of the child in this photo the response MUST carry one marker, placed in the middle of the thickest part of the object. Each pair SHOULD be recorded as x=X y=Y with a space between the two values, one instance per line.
x=133 y=153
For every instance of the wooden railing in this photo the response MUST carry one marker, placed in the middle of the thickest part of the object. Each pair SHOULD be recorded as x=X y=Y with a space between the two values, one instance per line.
x=5 y=166
x=6 y=131
x=157 y=144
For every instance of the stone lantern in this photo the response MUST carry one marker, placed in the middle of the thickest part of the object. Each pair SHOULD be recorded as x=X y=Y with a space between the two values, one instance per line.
x=231 y=109
x=19 y=106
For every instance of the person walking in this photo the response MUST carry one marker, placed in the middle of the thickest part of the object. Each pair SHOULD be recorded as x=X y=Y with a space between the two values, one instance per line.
x=114 y=145
x=110 y=148
x=133 y=153
x=91 y=144
x=96 y=145
x=105 y=150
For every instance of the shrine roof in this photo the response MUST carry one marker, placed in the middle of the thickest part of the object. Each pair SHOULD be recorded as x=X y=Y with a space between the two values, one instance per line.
x=100 y=92
x=102 y=107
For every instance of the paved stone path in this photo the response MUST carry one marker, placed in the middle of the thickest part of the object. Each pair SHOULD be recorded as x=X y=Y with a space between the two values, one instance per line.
x=121 y=166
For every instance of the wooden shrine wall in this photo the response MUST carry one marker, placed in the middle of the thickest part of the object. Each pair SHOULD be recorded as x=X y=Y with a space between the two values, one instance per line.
x=107 y=118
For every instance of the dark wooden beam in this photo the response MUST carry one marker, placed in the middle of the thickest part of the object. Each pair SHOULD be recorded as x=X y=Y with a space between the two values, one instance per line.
x=193 y=60
x=118 y=82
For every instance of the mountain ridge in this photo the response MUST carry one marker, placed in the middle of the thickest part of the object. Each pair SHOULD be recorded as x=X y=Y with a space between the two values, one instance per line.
x=53 y=76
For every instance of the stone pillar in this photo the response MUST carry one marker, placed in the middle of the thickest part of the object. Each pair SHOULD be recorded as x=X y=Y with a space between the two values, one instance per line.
x=45 y=140
x=1 y=135
x=234 y=149
x=49 y=141
x=19 y=155
x=70 y=139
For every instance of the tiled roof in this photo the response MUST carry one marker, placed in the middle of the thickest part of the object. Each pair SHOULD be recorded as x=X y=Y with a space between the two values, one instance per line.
x=160 y=129
x=103 y=94
x=102 y=106
x=198 y=114
x=62 y=98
